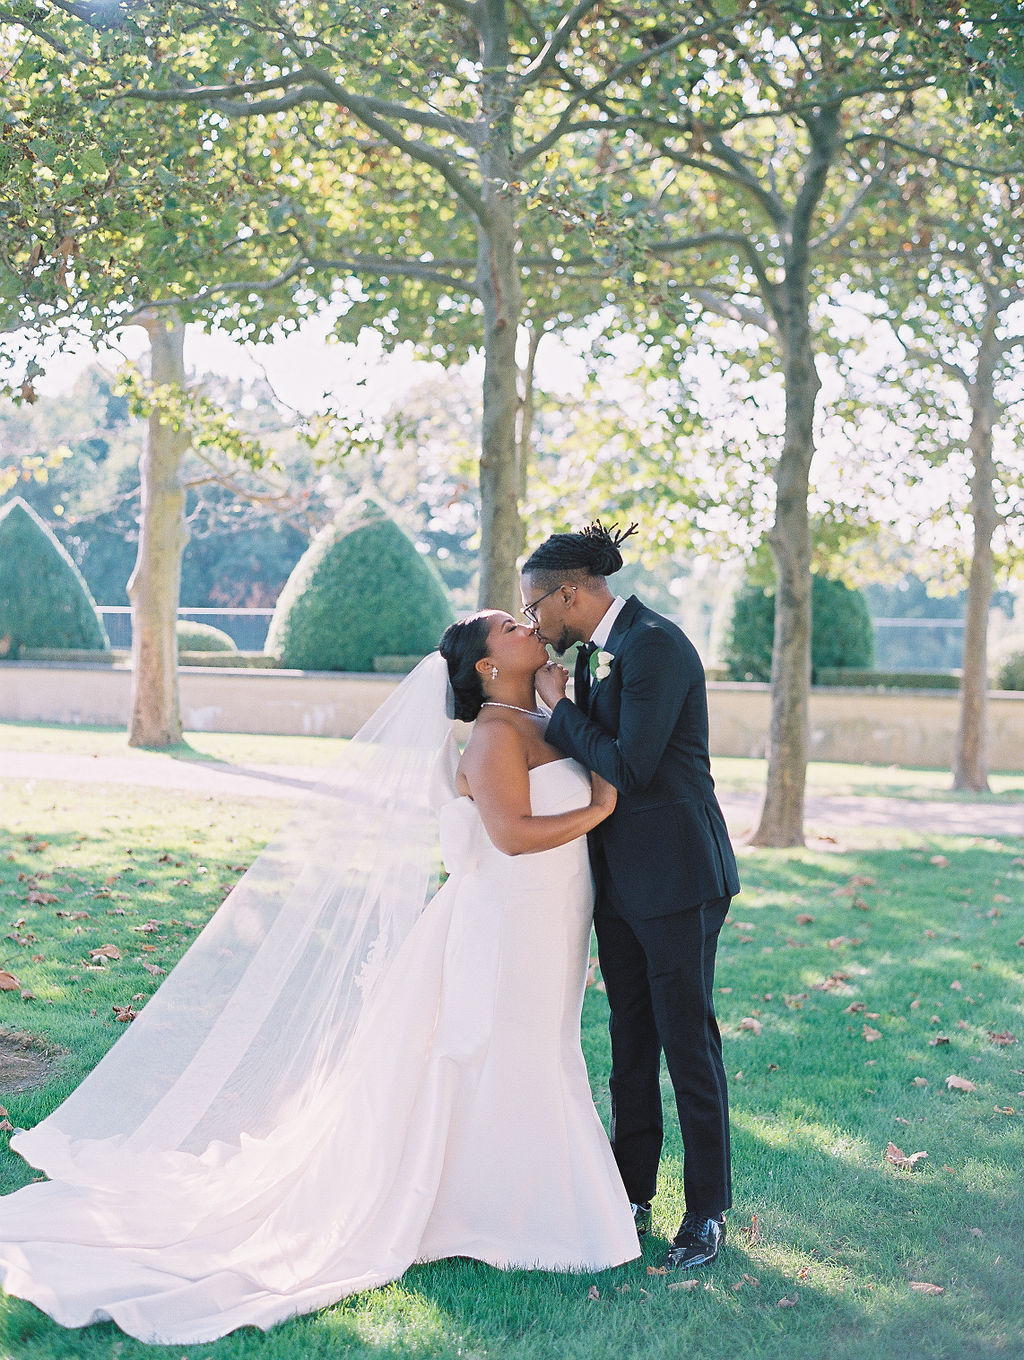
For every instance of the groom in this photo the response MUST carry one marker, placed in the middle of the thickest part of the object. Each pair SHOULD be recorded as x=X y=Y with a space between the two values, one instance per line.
x=663 y=867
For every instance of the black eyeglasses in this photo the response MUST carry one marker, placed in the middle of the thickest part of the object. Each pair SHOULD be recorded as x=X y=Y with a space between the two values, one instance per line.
x=529 y=609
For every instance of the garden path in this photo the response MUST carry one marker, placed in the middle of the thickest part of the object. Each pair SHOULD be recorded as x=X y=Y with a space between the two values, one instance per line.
x=825 y=814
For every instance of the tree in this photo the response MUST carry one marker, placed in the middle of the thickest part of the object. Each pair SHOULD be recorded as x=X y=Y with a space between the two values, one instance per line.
x=435 y=123
x=760 y=185
x=958 y=313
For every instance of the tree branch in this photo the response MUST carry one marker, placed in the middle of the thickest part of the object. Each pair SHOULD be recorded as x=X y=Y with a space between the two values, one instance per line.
x=556 y=43
x=368 y=113
x=851 y=209
x=732 y=310
x=662 y=249
x=932 y=153
x=382 y=266
x=740 y=176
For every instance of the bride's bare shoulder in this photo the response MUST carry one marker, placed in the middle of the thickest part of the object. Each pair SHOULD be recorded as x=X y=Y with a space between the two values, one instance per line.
x=496 y=748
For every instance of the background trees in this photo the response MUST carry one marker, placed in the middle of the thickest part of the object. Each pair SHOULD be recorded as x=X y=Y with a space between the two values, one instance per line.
x=479 y=175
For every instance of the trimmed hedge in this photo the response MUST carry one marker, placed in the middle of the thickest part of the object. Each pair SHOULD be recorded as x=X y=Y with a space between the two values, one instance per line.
x=841 y=634
x=1011 y=673
x=358 y=592
x=202 y=637
x=44 y=600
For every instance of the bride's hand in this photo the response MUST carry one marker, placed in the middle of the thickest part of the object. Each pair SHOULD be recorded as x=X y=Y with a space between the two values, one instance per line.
x=550 y=682
x=603 y=795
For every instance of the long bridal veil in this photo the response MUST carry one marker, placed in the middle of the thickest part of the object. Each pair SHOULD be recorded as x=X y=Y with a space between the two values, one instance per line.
x=248 y=1027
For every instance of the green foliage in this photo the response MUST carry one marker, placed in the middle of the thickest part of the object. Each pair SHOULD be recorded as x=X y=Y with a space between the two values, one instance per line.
x=358 y=592
x=202 y=637
x=841 y=633
x=44 y=601
x=1011 y=672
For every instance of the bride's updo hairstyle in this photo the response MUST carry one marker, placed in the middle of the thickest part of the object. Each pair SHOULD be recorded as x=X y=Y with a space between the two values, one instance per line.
x=580 y=558
x=462 y=645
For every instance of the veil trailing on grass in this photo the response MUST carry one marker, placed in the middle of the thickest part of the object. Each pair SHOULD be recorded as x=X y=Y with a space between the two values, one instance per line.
x=259 y=1012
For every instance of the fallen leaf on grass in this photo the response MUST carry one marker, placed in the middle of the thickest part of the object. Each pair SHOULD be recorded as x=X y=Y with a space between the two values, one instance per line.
x=870 y=1035
x=919 y=1081
x=897 y=1157
x=747 y=1279
x=901 y=1120
x=804 y=919
x=752 y=1232
x=789 y=1301
x=748 y=1022
x=105 y=951
x=688 y=1284
x=9 y=983
x=960 y=1084
x=593 y=1293
x=956 y=986
x=975 y=1232
x=838 y=941
x=42 y=899
x=940 y=861
x=657 y=1270
x=153 y=968
x=126 y=1014
x=6 y=1126
x=939 y=1039
x=1003 y=1039
x=997 y=1109
x=854 y=1007
x=923 y=1287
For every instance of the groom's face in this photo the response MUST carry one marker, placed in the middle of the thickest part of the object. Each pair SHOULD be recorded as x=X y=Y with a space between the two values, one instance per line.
x=549 y=612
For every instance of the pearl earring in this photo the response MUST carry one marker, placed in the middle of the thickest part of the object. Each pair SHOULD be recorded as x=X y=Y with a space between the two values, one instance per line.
x=494 y=672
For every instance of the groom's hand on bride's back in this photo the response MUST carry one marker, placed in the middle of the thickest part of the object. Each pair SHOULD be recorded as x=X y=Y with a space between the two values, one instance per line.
x=550 y=682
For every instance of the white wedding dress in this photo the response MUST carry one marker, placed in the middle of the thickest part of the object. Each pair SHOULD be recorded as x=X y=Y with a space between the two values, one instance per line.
x=459 y=1123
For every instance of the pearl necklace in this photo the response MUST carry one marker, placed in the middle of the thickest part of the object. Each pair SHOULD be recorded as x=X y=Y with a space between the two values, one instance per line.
x=530 y=712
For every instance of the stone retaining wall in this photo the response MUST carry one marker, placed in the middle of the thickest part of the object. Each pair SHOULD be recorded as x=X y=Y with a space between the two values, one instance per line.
x=884 y=727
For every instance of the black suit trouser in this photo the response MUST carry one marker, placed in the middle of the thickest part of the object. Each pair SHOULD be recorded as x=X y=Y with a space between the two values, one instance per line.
x=659 y=976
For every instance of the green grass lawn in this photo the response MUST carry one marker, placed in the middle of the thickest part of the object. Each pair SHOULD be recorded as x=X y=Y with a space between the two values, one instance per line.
x=838 y=973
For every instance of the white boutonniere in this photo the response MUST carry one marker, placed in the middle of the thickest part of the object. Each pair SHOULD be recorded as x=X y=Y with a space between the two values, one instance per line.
x=601 y=665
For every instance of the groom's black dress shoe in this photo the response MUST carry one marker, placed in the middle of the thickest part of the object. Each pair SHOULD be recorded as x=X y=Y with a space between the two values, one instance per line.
x=642 y=1218
x=697 y=1242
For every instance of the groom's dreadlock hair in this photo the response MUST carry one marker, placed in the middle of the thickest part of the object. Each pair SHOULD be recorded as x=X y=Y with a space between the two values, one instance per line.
x=583 y=557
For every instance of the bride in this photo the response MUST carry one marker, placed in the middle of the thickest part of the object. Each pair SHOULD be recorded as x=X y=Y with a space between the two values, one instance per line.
x=347 y=1072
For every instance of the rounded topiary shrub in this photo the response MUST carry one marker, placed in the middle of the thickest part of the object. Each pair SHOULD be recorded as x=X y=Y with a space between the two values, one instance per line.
x=358 y=592
x=841 y=632
x=202 y=637
x=44 y=601
x=1011 y=673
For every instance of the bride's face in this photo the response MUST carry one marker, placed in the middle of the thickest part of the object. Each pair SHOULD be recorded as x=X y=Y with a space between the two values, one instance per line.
x=513 y=647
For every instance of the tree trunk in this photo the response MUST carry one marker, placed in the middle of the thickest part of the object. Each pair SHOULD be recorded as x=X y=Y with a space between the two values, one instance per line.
x=524 y=438
x=782 y=811
x=155 y=582
x=970 y=759
x=500 y=286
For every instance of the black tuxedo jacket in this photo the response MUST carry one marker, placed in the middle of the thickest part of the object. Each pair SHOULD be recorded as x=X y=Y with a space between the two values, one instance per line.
x=645 y=729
